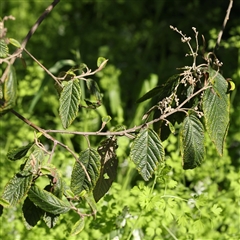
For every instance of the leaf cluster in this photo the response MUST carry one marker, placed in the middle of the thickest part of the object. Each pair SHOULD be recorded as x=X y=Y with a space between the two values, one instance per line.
x=189 y=104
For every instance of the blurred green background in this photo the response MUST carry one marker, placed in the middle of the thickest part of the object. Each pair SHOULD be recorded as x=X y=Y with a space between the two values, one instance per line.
x=143 y=52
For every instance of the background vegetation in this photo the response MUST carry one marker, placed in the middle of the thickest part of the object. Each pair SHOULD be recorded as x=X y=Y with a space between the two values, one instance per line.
x=143 y=52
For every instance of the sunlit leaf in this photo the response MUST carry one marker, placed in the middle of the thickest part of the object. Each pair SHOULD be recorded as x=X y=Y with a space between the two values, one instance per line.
x=147 y=152
x=9 y=90
x=14 y=42
x=77 y=227
x=80 y=181
x=3 y=49
x=101 y=62
x=69 y=101
x=192 y=137
x=4 y=202
x=231 y=86
x=50 y=219
x=33 y=162
x=47 y=201
x=109 y=164
x=106 y=119
x=216 y=106
x=16 y=188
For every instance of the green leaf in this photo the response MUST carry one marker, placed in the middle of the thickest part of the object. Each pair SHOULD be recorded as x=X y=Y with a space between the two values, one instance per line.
x=3 y=49
x=146 y=152
x=69 y=101
x=106 y=119
x=90 y=160
x=231 y=86
x=57 y=187
x=33 y=162
x=50 y=219
x=4 y=203
x=92 y=105
x=78 y=227
x=216 y=106
x=94 y=89
x=60 y=64
x=216 y=209
x=19 y=153
x=192 y=138
x=109 y=165
x=14 y=42
x=16 y=189
x=31 y=213
x=9 y=91
x=161 y=91
x=47 y=201
x=101 y=62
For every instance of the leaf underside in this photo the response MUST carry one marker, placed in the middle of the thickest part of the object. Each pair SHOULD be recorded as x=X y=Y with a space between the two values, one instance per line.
x=192 y=137
x=146 y=152
x=216 y=106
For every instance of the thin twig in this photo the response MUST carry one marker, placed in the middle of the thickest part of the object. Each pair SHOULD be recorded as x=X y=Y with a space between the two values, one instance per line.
x=224 y=24
x=45 y=69
x=55 y=141
x=18 y=52
x=130 y=130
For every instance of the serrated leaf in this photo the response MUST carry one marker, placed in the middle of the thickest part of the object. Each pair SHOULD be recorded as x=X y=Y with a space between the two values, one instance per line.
x=16 y=189
x=32 y=164
x=80 y=181
x=69 y=101
x=77 y=227
x=146 y=152
x=14 y=42
x=47 y=201
x=18 y=153
x=192 y=138
x=50 y=219
x=9 y=90
x=216 y=209
x=3 y=49
x=31 y=213
x=216 y=109
x=109 y=165
x=91 y=202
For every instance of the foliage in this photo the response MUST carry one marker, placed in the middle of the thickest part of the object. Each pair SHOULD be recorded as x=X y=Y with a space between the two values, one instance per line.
x=191 y=103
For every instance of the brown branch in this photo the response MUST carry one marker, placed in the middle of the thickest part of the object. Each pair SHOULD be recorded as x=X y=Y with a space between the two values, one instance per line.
x=55 y=141
x=18 y=52
x=224 y=24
